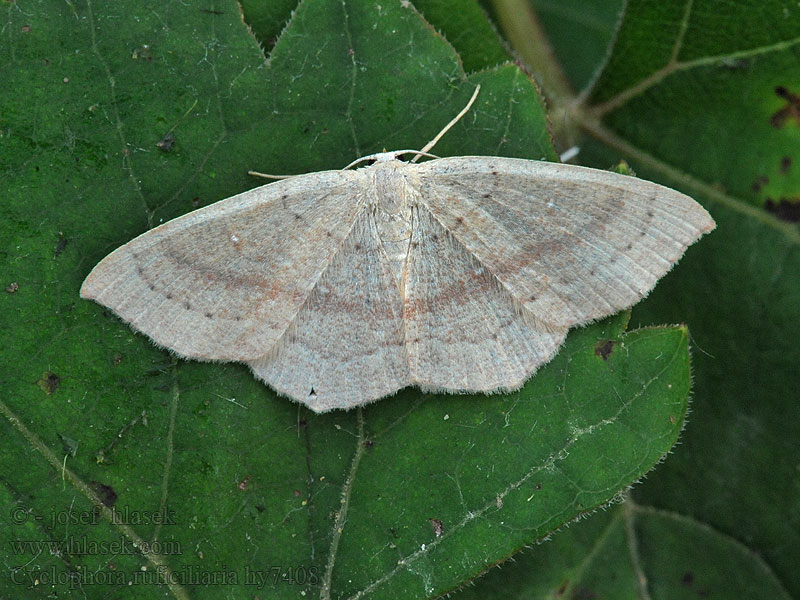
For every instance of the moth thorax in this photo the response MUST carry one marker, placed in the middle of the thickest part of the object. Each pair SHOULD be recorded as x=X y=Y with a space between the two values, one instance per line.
x=394 y=197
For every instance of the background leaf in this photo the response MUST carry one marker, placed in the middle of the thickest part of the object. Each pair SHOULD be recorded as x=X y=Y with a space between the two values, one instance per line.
x=214 y=480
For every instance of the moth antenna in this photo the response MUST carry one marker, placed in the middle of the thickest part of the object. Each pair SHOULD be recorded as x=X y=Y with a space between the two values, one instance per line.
x=266 y=176
x=426 y=148
x=419 y=153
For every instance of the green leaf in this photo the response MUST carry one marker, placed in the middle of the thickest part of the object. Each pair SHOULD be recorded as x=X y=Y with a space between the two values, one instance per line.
x=633 y=552
x=126 y=467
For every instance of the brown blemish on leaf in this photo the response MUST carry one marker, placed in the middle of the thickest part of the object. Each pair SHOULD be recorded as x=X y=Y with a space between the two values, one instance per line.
x=165 y=143
x=12 y=287
x=786 y=209
x=142 y=53
x=790 y=111
x=604 y=348
x=60 y=244
x=105 y=492
x=438 y=527
x=49 y=382
x=759 y=183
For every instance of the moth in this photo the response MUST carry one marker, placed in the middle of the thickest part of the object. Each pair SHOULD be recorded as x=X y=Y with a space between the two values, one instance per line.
x=459 y=274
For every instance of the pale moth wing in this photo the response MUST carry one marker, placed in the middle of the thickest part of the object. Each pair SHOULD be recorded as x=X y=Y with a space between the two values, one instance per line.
x=464 y=330
x=346 y=343
x=568 y=243
x=225 y=282
x=459 y=274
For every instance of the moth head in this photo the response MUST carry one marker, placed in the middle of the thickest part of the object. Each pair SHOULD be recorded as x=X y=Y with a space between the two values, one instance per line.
x=382 y=157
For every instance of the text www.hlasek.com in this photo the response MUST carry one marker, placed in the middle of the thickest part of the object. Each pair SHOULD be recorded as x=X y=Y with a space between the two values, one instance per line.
x=85 y=546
